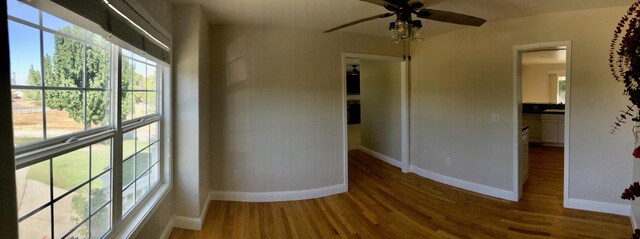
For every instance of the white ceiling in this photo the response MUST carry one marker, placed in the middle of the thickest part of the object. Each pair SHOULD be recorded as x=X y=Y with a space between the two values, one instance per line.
x=544 y=57
x=321 y=15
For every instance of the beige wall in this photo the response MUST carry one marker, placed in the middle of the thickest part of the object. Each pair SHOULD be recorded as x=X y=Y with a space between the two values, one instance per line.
x=191 y=117
x=535 y=81
x=277 y=106
x=380 y=107
x=460 y=78
x=204 y=110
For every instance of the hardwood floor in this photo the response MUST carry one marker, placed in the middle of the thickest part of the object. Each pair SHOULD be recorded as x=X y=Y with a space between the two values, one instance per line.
x=382 y=202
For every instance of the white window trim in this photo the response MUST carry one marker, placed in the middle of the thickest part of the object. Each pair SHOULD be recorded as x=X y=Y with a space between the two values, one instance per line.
x=140 y=213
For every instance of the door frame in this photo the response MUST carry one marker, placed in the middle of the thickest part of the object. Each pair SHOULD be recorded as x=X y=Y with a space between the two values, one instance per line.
x=404 y=109
x=517 y=110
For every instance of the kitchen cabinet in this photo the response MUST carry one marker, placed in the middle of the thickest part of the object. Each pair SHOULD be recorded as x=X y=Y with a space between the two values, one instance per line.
x=553 y=129
x=535 y=127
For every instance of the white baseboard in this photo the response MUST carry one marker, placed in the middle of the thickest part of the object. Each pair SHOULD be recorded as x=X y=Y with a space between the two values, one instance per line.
x=633 y=215
x=382 y=157
x=189 y=223
x=192 y=223
x=613 y=208
x=278 y=196
x=459 y=183
x=167 y=230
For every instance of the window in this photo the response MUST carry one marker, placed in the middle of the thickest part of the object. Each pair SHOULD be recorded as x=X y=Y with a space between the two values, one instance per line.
x=71 y=136
x=140 y=142
x=60 y=76
x=562 y=89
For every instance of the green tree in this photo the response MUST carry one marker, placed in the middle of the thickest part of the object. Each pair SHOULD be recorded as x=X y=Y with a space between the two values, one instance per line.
x=69 y=68
x=33 y=79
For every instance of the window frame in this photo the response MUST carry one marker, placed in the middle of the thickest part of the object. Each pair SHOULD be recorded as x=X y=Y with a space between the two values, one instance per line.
x=32 y=153
x=34 y=146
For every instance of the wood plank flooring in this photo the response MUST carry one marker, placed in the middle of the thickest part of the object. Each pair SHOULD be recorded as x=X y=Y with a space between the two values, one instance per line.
x=382 y=202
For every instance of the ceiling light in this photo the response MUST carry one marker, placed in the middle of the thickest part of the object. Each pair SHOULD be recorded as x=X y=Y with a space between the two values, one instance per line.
x=402 y=30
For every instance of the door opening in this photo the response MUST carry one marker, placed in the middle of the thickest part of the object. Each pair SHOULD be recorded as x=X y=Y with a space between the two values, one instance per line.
x=375 y=108
x=542 y=106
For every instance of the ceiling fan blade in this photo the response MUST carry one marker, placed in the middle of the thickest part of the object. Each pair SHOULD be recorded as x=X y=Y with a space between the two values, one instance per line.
x=360 y=21
x=426 y=3
x=383 y=3
x=450 y=17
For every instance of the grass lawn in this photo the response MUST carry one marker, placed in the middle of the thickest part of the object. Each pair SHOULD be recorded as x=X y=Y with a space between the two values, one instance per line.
x=17 y=141
x=72 y=169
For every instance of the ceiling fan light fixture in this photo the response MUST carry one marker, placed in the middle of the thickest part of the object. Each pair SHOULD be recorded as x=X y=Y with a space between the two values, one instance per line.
x=402 y=30
x=416 y=31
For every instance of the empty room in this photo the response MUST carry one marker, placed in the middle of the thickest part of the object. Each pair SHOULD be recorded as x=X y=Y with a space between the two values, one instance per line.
x=320 y=119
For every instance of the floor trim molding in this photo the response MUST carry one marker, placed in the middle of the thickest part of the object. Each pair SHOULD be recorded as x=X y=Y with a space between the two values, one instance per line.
x=633 y=216
x=589 y=205
x=466 y=185
x=192 y=223
x=382 y=157
x=278 y=196
x=167 y=229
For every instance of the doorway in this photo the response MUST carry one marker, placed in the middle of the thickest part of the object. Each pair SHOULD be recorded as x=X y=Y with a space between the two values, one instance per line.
x=375 y=108
x=542 y=107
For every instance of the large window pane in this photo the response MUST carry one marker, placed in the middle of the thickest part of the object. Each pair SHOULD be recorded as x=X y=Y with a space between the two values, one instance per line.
x=63 y=60
x=37 y=225
x=100 y=191
x=155 y=152
x=142 y=137
x=128 y=199
x=22 y=11
x=70 y=170
x=128 y=171
x=33 y=187
x=154 y=131
x=101 y=222
x=128 y=144
x=100 y=157
x=65 y=112
x=139 y=104
x=151 y=103
x=98 y=68
x=24 y=42
x=142 y=162
x=154 y=174
x=98 y=109
x=70 y=211
x=127 y=105
x=142 y=186
x=28 y=124
x=139 y=76
x=151 y=78
x=55 y=23
x=61 y=86
x=81 y=232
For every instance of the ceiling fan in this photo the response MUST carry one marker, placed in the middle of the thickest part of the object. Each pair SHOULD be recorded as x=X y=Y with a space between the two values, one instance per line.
x=405 y=28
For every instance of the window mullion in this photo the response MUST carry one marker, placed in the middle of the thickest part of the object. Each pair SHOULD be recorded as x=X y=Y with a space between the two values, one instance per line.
x=116 y=119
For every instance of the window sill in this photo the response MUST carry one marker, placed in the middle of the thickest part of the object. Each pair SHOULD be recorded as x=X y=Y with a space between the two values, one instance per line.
x=140 y=215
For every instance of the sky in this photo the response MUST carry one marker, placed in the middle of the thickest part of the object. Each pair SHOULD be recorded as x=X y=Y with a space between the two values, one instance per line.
x=24 y=41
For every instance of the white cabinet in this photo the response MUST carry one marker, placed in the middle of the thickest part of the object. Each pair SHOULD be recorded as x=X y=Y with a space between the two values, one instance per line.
x=553 y=129
x=535 y=127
